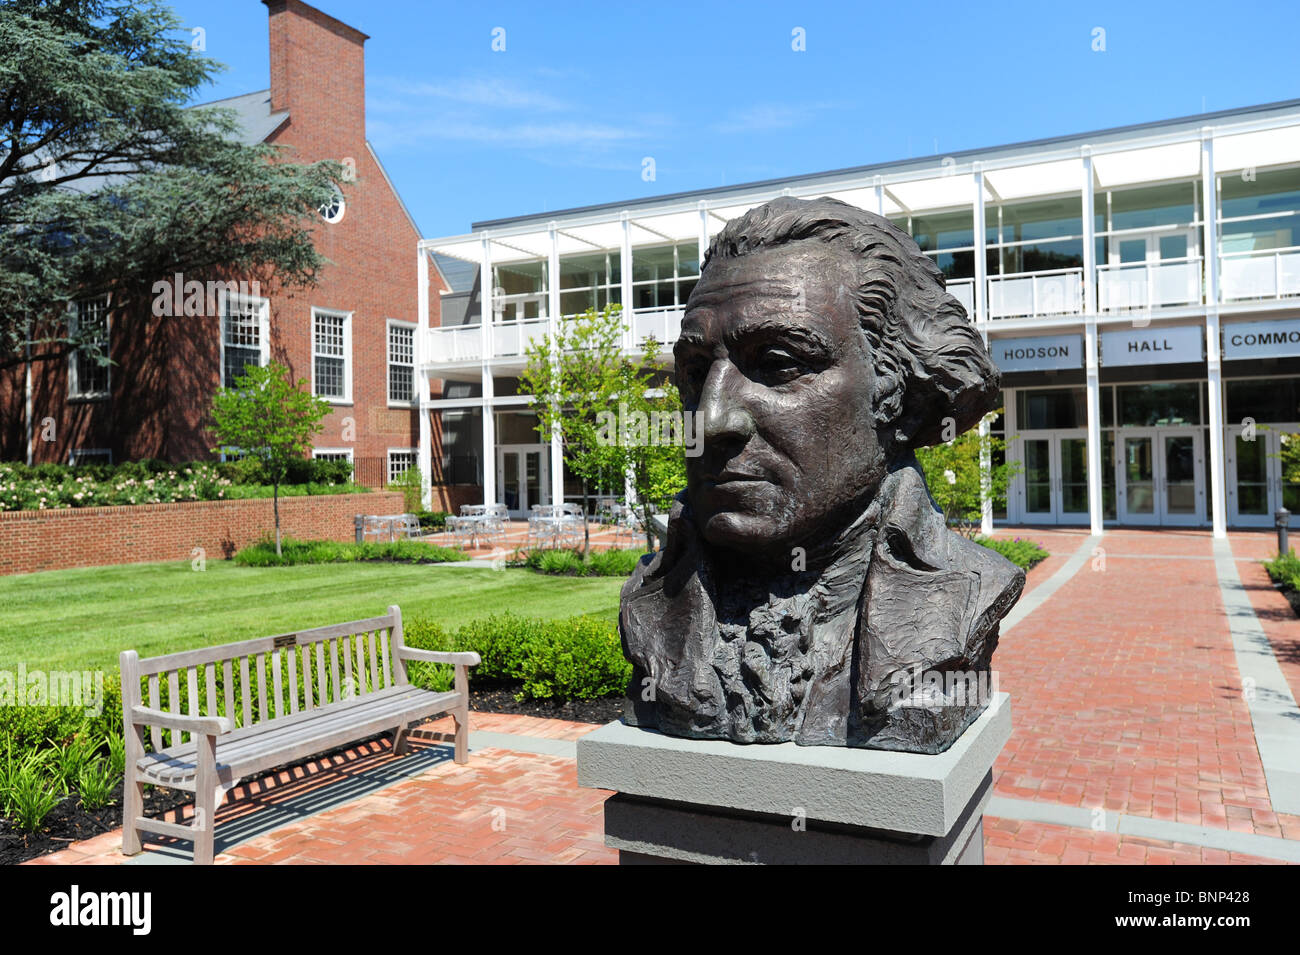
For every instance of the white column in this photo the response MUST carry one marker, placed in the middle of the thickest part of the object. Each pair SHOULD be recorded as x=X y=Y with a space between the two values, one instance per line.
x=981 y=265
x=424 y=457
x=553 y=311
x=625 y=284
x=880 y=196
x=704 y=229
x=986 y=462
x=1095 y=515
x=1213 y=361
x=487 y=302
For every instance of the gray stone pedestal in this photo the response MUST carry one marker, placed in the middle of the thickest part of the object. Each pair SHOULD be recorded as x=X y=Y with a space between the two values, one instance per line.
x=711 y=801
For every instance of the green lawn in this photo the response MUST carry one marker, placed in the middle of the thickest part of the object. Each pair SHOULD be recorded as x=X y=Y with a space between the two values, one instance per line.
x=83 y=618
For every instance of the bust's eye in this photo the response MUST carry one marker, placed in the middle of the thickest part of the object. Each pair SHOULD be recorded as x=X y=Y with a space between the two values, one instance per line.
x=777 y=366
x=690 y=377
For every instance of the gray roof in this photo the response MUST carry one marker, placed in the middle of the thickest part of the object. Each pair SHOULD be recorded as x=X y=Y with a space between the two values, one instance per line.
x=1094 y=138
x=253 y=112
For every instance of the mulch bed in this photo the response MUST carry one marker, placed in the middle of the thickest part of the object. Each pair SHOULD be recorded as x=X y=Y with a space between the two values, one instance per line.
x=68 y=822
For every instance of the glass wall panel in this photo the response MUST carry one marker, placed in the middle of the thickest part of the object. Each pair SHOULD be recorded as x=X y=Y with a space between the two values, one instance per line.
x=1272 y=399
x=1175 y=403
x=589 y=280
x=1151 y=206
x=1051 y=408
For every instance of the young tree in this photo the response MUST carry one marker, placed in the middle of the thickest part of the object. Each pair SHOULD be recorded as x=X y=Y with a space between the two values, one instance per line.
x=269 y=417
x=954 y=475
x=586 y=387
x=108 y=182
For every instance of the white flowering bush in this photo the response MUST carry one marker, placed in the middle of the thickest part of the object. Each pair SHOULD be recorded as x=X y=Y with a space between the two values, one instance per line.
x=20 y=491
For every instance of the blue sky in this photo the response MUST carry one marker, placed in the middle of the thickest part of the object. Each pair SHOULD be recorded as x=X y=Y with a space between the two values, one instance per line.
x=714 y=93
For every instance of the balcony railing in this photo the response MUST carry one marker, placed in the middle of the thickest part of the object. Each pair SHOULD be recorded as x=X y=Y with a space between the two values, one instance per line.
x=1034 y=294
x=1260 y=275
x=665 y=324
x=963 y=290
x=510 y=339
x=453 y=343
x=1143 y=285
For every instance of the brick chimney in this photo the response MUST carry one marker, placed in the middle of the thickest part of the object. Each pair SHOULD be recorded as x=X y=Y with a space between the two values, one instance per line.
x=318 y=74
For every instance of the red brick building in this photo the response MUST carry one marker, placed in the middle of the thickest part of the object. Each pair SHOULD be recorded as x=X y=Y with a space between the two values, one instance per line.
x=352 y=335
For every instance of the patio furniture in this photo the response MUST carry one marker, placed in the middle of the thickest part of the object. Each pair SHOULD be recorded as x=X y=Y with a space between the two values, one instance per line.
x=390 y=527
x=236 y=729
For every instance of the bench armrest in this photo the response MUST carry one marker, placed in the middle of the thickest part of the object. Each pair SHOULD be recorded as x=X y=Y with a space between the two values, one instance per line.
x=207 y=725
x=463 y=657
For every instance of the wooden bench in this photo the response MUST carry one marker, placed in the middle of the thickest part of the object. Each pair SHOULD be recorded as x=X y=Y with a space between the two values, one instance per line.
x=344 y=683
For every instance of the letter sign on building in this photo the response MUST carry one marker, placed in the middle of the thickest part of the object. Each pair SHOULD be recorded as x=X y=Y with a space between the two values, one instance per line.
x=1037 y=354
x=1155 y=345
x=1261 y=339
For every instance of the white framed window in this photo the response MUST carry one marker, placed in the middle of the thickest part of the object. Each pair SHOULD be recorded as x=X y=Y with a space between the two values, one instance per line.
x=401 y=362
x=88 y=378
x=332 y=454
x=400 y=460
x=332 y=209
x=90 y=456
x=331 y=355
x=245 y=335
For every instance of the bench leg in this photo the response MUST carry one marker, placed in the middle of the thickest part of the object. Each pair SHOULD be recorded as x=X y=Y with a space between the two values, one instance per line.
x=461 y=716
x=206 y=791
x=401 y=740
x=132 y=809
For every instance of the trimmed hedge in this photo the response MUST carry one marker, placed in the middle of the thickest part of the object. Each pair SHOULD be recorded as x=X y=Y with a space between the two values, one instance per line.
x=292 y=552
x=1284 y=570
x=1022 y=553
x=578 y=658
x=571 y=563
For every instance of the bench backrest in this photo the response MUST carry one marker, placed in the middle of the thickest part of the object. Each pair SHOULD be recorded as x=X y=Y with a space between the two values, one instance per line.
x=254 y=681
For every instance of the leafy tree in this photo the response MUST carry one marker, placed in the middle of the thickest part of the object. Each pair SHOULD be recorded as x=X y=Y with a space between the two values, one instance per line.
x=953 y=473
x=108 y=182
x=269 y=417
x=585 y=386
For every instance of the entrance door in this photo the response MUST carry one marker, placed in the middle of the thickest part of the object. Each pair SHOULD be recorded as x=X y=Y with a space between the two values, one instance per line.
x=1055 y=480
x=1257 y=485
x=1161 y=476
x=522 y=478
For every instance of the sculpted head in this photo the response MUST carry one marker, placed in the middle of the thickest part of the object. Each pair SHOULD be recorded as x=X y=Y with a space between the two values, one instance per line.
x=818 y=349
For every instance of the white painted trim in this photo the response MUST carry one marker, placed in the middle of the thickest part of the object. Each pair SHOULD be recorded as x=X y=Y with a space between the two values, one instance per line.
x=263 y=331
x=317 y=452
x=74 y=394
x=413 y=402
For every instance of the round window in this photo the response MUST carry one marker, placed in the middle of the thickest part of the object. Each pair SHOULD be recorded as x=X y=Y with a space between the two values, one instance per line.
x=332 y=209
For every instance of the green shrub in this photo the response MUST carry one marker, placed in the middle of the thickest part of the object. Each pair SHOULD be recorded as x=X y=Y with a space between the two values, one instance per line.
x=32 y=795
x=432 y=520
x=72 y=758
x=95 y=784
x=571 y=659
x=1022 y=553
x=1285 y=570
x=609 y=563
x=262 y=554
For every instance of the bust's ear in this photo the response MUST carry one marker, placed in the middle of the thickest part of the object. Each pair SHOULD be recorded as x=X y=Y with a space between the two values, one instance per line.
x=887 y=403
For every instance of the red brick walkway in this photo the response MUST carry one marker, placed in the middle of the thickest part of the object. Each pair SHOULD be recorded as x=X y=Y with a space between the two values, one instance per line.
x=1125 y=700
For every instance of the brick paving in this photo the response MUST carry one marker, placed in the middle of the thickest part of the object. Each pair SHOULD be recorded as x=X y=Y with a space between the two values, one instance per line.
x=1125 y=698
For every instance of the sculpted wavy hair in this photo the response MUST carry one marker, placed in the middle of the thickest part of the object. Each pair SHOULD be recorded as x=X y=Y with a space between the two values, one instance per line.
x=930 y=362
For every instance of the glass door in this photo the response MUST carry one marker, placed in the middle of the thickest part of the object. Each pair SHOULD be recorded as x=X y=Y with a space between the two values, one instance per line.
x=1039 y=478
x=1137 y=478
x=522 y=478
x=1182 y=499
x=1055 y=478
x=1250 y=485
x=1161 y=477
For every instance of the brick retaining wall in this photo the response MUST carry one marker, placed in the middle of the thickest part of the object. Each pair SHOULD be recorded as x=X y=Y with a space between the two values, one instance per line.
x=96 y=536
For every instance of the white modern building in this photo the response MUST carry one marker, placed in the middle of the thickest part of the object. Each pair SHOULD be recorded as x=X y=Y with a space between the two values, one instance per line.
x=1139 y=288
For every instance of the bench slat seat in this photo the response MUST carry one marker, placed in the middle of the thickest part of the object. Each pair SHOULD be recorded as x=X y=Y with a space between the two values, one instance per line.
x=311 y=710
x=277 y=742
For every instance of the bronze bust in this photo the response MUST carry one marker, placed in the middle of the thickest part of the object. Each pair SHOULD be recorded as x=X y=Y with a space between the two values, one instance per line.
x=807 y=574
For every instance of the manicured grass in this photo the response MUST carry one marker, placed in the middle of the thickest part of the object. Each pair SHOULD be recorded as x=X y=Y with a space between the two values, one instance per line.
x=83 y=618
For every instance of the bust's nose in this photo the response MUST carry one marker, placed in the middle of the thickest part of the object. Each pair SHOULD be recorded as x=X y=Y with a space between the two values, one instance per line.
x=723 y=415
